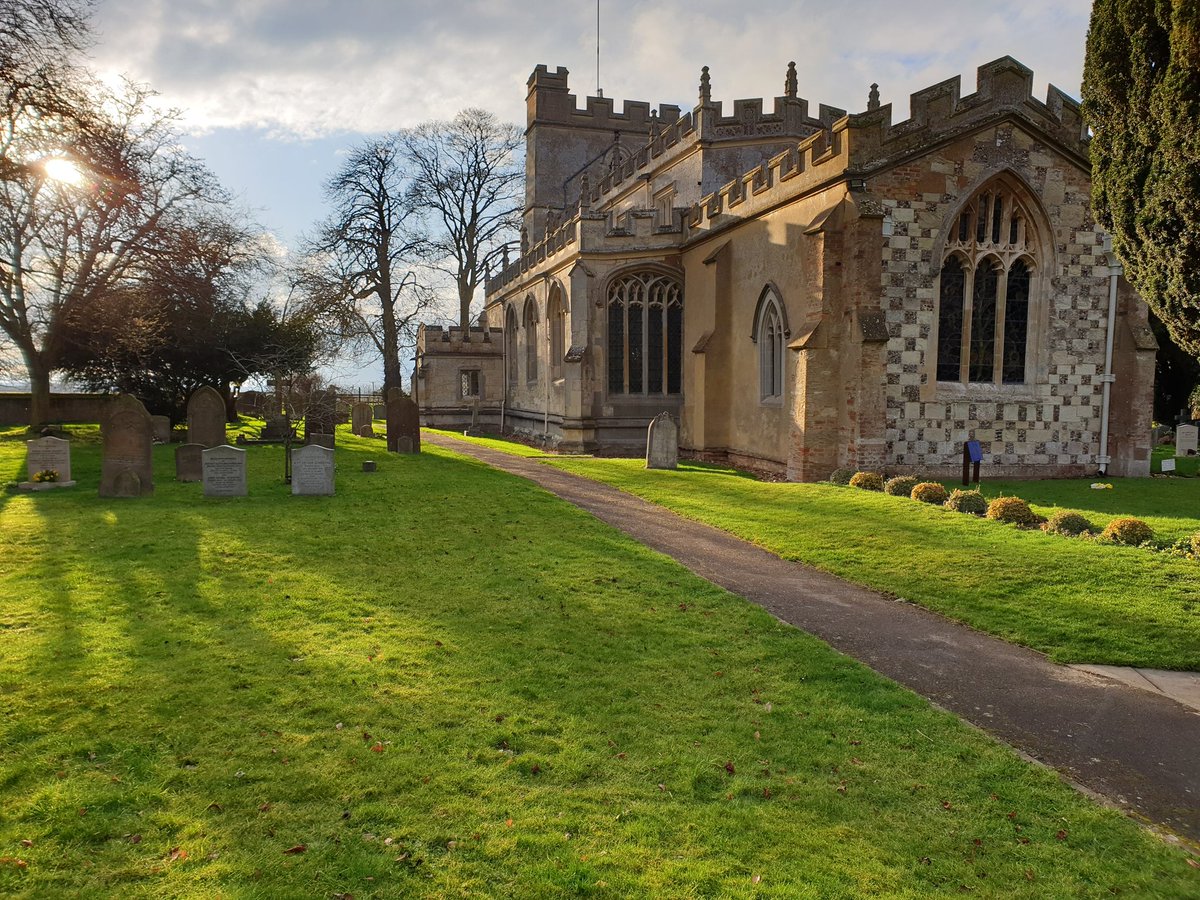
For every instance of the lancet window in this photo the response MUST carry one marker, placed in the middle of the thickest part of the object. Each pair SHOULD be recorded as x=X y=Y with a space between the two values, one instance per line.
x=645 y=334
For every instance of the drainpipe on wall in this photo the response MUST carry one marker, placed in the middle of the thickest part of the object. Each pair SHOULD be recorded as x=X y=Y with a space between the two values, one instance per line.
x=1107 y=379
x=549 y=365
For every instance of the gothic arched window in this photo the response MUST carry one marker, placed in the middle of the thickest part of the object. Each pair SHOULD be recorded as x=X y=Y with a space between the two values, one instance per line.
x=645 y=334
x=510 y=344
x=769 y=330
x=531 y=340
x=556 y=322
x=984 y=291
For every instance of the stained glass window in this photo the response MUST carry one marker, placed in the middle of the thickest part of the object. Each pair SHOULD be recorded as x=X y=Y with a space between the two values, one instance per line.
x=950 y=320
x=984 y=297
x=531 y=340
x=645 y=333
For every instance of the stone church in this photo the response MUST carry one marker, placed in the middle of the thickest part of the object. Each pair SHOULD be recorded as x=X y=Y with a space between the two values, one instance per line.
x=809 y=290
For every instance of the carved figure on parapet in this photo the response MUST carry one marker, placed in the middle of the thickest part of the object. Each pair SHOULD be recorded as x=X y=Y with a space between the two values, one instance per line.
x=791 y=85
x=873 y=98
x=705 y=87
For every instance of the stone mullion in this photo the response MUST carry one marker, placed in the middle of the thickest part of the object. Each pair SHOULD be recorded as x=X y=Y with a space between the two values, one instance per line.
x=968 y=308
x=998 y=347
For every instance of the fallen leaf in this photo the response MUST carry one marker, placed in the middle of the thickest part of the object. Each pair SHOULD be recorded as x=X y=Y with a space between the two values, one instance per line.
x=343 y=897
x=662 y=787
x=14 y=862
x=621 y=755
x=508 y=823
x=729 y=767
x=756 y=879
x=212 y=856
x=378 y=748
x=535 y=769
x=339 y=726
x=26 y=843
x=450 y=845
x=215 y=807
x=368 y=836
x=135 y=839
x=266 y=807
x=1062 y=834
x=757 y=736
x=299 y=848
x=176 y=853
x=83 y=810
x=387 y=842
x=766 y=793
x=1191 y=862
x=946 y=804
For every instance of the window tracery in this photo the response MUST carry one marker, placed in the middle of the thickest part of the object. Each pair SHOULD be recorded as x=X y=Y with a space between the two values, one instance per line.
x=645 y=334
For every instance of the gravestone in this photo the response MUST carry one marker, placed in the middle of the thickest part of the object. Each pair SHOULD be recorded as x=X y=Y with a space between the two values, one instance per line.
x=312 y=470
x=662 y=443
x=320 y=440
x=361 y=415
x=367 y=430
x=49 y=453
x=320 y=415
x=162 y=429
x=1185 y=440
x=403 y=423
x=206 y=418
x=188 y=465
x=127 y=462
x=275 y=428
x=224 y=472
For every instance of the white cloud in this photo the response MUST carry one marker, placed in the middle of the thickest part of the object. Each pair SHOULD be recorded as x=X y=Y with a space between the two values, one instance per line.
x=307 y=68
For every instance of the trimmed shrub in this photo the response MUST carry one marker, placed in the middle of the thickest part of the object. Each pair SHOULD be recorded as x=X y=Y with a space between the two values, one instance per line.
x=1068 y=523
x=1011 y=509
x=929 y=492
x=1127 y=530
x=841 y=477
x=900 y=486
x=868 y=481
x=971 y=502
x=1195 y=542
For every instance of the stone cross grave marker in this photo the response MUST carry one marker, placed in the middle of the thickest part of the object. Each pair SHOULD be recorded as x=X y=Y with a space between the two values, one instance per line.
x=162 y=429
x=127 y=464
x=206 y=418
x=312 y=470
x=188 y=462
x=1185 y=440
x=361 y=415
x=49 y=453
x=403 y=423
x=662 y=443
x=224 y=472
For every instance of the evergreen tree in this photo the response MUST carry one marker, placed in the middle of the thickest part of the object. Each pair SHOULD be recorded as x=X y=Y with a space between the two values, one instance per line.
x=1141 y=96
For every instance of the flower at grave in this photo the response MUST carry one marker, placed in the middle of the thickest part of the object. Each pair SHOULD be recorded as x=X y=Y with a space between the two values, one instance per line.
x=1098 y=486
x=45 y=476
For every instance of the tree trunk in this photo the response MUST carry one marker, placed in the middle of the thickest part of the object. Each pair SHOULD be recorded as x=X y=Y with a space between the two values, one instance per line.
x=39 y=389
x=231 y=413
x=465 y=294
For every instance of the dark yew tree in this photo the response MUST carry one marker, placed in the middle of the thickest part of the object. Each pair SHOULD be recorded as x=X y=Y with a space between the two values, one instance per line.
x=1141 y=98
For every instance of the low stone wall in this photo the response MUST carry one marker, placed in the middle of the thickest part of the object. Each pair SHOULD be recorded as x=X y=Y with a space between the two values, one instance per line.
x=75 y=408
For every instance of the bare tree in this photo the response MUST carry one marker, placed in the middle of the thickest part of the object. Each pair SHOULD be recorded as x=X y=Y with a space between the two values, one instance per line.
x=87 y=200
x=359 y=274
x=468 y=174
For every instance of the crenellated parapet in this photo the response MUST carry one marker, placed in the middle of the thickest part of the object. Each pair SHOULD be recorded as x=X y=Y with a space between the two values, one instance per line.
x=550 y=102
x=1004 y=87
x=440 y=340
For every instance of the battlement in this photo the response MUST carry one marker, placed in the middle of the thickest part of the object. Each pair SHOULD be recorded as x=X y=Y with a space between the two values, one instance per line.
x=436 y=340
x=1003 y=87
x=550 y=102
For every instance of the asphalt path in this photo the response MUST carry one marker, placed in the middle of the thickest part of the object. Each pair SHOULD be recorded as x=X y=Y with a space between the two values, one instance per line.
x=1137 y=750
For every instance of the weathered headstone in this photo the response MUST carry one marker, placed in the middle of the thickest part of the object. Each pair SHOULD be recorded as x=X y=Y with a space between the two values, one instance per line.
x=275 y=428
x=367 y=430
x=320 y=440
x=224 y=472
x=361 y=415
x=403 y=423
x=127 y=462
x=162 y=429
x=188 y=462
x=49 y=453
x=662 y=443
x=1185 y=440
x=312 y=470
x=206 y=418
x=320 y=415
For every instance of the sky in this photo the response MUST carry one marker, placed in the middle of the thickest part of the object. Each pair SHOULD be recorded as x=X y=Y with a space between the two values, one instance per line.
x=271 y=93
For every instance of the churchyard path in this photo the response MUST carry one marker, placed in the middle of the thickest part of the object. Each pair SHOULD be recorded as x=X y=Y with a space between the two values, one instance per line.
x=1131 y=748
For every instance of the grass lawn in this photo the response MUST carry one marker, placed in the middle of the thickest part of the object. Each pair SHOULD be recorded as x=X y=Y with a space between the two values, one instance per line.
x=1076 y=601
x=444 y=681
